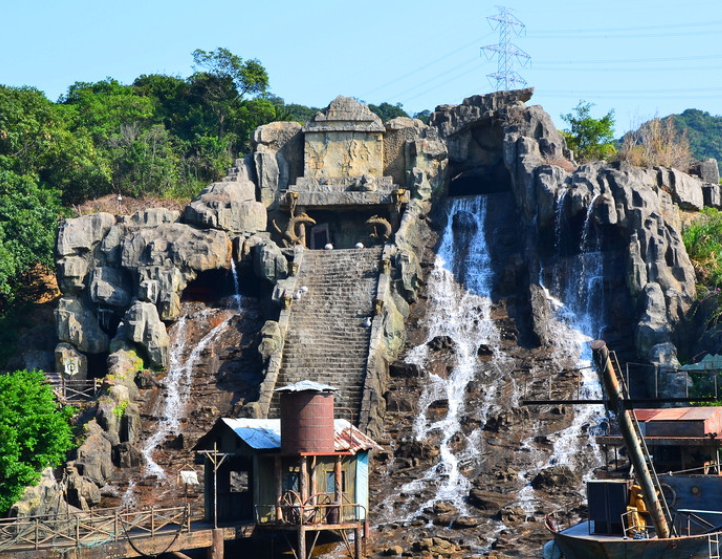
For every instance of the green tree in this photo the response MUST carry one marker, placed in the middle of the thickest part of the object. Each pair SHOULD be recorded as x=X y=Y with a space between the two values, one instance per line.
x=387 y=111
x=424 y=116
x=589 y=138
x=224 y=80
x=34 y=432
x=28 y=217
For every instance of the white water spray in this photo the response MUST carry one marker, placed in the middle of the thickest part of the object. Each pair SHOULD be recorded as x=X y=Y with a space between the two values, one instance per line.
x=459 y=310
x=178 y=383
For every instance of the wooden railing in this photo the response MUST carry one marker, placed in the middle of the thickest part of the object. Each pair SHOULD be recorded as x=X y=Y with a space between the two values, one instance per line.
x=86 y=529
x=67 y=390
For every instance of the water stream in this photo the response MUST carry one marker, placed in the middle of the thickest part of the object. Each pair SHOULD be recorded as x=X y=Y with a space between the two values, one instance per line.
x=182 y=363
x=459 y=312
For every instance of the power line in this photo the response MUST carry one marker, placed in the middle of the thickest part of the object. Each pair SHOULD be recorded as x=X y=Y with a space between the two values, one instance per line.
x=505 y=50
x=633 y=60
x=632 y=29
x=423 y=67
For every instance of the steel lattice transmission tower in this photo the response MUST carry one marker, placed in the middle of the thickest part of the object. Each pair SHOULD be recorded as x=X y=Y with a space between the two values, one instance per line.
x=506 y=77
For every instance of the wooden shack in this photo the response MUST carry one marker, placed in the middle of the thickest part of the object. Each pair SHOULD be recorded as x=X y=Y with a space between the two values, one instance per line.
x=305 y=471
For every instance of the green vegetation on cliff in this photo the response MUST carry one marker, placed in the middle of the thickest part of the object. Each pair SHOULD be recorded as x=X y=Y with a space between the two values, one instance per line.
x=34 y=433
x=704 y=133
x=589 y=138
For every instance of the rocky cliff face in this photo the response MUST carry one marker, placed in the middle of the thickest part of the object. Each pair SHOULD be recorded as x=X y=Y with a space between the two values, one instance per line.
x=126 y=281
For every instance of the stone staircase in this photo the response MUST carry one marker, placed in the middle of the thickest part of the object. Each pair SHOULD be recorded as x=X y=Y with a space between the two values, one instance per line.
x=328 y=338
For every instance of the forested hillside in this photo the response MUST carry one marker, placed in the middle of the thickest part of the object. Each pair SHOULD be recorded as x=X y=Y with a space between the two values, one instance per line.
x=704 y=133
x=161 y=136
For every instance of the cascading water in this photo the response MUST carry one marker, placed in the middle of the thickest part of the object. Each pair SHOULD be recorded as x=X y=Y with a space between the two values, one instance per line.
x=180 y=372
x=459 y=310
x=576 y=297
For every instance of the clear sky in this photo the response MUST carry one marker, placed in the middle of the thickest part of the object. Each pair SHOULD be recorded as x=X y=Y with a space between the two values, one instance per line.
x=638 y=57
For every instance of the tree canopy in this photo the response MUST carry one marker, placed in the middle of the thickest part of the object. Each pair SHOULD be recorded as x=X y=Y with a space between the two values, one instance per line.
x=589 y=138
x=34 y=432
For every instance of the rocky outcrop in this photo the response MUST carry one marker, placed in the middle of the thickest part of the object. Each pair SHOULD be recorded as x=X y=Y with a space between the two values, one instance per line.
x=278 y=156
x=635 y=211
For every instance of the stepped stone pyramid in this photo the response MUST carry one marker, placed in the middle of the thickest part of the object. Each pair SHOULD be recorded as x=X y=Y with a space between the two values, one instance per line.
x=328 y=334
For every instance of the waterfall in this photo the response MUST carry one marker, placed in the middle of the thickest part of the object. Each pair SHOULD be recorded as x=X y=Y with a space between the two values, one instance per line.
x=180 y=376
x=576 y=298
x=236 y=286
x=459 y=310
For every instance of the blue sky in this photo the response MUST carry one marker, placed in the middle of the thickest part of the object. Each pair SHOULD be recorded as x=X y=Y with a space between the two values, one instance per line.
x=638 y=57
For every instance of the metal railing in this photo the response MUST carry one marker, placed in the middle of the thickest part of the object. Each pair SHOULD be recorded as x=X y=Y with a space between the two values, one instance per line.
x=318 y=509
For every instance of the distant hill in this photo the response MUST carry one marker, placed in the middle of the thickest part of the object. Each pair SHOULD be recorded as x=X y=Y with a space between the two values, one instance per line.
x=704 y=132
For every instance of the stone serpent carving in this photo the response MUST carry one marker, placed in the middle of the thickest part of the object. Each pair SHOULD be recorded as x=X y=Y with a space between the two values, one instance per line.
x=291 y=236
x=376 y=222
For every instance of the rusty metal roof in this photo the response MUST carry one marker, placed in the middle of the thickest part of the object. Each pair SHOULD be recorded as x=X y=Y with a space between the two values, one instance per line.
x=698 y=413
x=265 y=434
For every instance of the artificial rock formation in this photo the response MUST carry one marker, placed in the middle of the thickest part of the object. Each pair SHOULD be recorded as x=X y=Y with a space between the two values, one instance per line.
x=123 y=277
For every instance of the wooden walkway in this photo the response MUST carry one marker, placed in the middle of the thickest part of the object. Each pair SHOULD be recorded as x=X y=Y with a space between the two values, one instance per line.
x=114 y=535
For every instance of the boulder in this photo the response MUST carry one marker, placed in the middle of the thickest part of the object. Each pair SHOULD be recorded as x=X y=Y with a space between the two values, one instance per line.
x=78 y=325
x=152 y=217
x=94 y=456
x=45 y=498
x=271 y=339
x=555 y=478
x=269 y=263
x=707 y=170
x=81 y=492
x=144 y=327
x=177 y=245
x=110 y=286
x=230 y=206
x=81 y=235
x=686 y=190
x=278 y=157
x=653 y=327
x=72 y=274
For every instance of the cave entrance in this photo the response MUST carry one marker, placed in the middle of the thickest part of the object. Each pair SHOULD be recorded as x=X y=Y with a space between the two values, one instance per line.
x=481 y=180
x=210 y=286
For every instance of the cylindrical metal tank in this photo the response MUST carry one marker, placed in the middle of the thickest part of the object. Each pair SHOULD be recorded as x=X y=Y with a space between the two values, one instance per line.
x=307 y=421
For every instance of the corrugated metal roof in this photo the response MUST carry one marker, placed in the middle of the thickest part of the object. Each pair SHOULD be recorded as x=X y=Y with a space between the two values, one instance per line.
x=698 y=413
x=305 y=385
x=265 y=434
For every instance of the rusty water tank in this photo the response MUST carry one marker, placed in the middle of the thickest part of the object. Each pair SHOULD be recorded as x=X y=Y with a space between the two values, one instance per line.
x=307 y=418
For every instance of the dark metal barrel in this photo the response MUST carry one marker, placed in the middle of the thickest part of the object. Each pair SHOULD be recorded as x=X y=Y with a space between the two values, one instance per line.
x=307 y=422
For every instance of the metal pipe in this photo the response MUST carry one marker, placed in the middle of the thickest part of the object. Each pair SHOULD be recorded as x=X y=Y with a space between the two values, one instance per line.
x=636 y=455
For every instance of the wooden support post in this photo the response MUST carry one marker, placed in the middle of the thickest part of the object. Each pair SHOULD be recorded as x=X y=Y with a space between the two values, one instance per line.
x=304 y=479
x=314 y=481
x=338 y=487
x=216 y=549
x=279 y=487
x=301 y=542
x=357 y=542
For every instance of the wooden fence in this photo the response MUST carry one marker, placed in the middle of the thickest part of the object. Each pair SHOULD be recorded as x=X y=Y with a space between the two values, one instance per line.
x=69 y=390
x=64 y=532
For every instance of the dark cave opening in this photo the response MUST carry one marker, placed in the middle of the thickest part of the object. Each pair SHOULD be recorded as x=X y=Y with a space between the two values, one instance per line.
x=486 y=179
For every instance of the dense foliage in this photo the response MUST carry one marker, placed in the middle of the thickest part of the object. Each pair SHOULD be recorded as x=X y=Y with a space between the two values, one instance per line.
x=34 y=433
x=161 y=136
x=703 y=241
x=703 y=131
x=589 y=138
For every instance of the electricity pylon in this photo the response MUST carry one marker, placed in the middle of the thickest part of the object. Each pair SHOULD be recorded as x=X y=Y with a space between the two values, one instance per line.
x=508 y=25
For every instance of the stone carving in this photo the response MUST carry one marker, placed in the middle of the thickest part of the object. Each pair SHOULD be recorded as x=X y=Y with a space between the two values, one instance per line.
x=380 y=228
x=293 y=235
